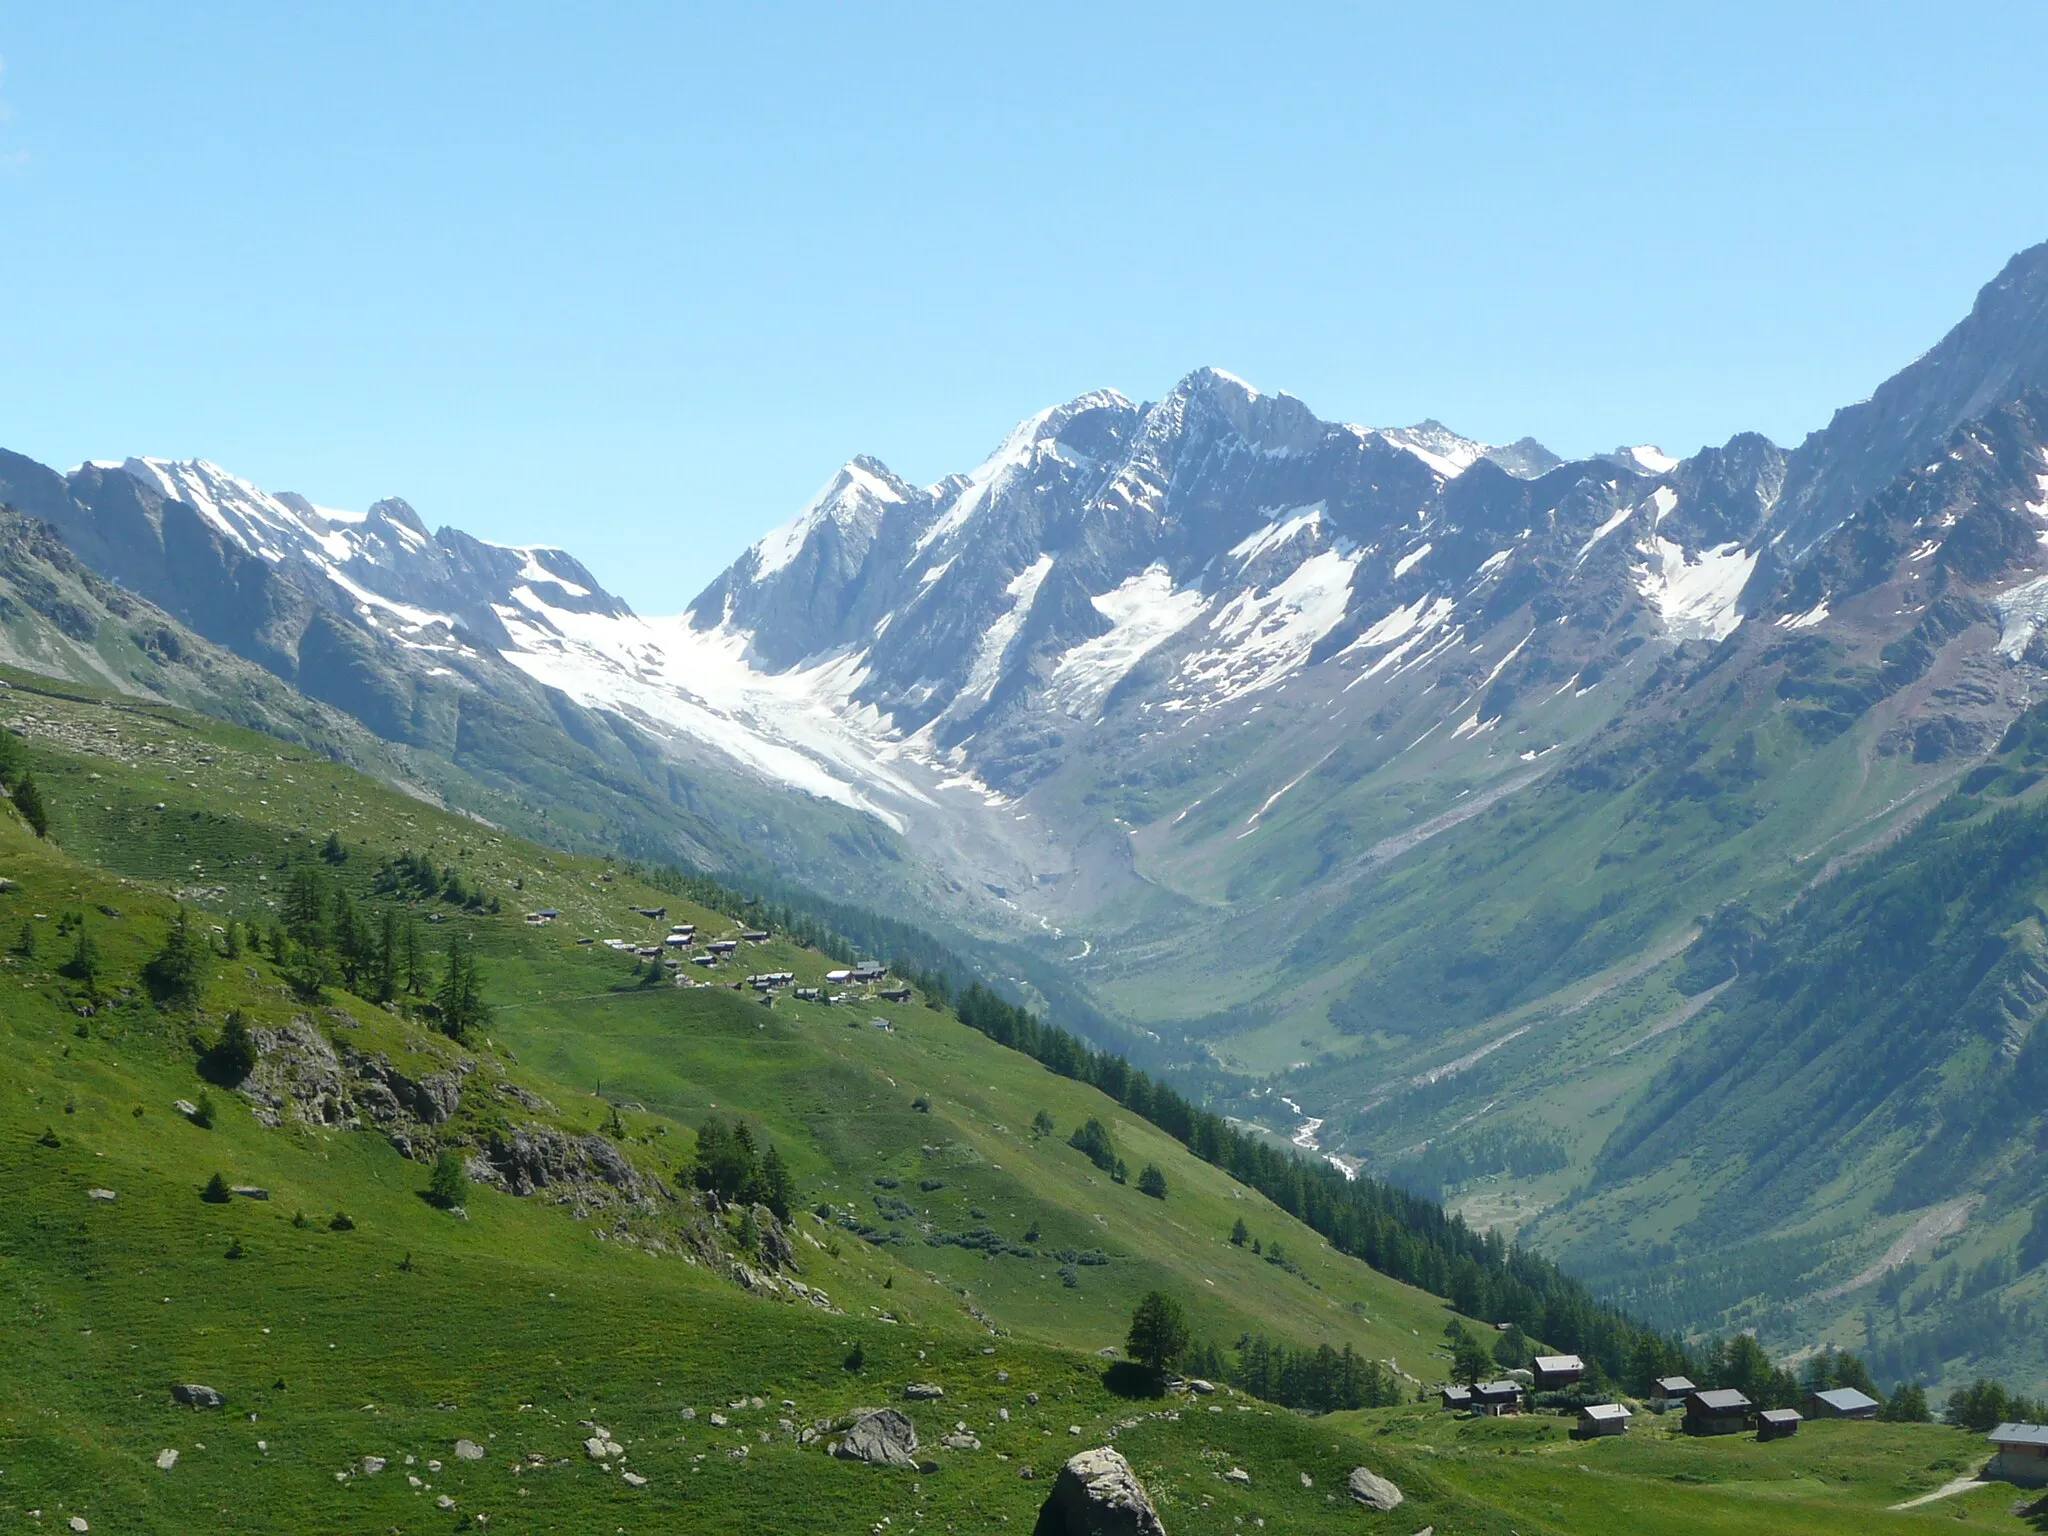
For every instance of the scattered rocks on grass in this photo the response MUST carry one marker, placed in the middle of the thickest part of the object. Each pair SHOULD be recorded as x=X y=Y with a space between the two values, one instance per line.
x=884 y=1436
x=372 y=1465
x=923 y=1391
x=1238 y=1475
x=468 y=1450
x=195 y=1395
x=599 y=1448
x=442 y=1501
x=1374 y=1491
x=633 y=1479
x=1097 y=1494
x=166 y=1459
x=99 y=1194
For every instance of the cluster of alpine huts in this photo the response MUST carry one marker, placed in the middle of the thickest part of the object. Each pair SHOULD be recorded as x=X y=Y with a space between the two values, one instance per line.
x=1708 y=1411
x=679 y=947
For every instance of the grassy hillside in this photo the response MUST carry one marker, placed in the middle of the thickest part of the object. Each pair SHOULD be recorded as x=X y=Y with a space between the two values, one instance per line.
x=619 y=1301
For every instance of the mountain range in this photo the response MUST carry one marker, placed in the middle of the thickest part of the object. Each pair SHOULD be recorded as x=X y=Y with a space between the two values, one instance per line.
x=1515 y=827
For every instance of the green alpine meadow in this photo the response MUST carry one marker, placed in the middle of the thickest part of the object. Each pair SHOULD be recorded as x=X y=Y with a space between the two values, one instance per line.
x=370 y=1167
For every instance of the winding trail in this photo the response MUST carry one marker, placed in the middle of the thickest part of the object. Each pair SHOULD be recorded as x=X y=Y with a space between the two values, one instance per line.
x=1958 y=1485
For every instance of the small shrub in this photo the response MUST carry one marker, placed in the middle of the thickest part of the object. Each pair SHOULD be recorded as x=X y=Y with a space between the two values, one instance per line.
x=341 y=1222
x=856 y=1357
x=202 y=1114
x=1041 y=1123
x=49 y=1138
x=84 y=964
x=235 y=1249
x=301 y=1220
x=1152 y=1182
x=922 y=1104
x=448 y=1182
x=216 y=1191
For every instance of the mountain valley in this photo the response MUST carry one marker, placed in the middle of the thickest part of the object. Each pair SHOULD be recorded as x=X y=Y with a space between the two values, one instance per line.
x=1532 y=833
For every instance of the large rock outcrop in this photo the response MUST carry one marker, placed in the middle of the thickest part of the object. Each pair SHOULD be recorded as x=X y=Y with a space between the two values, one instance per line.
x=885 y=1437
x=1097 y=1494
x=301 y=1075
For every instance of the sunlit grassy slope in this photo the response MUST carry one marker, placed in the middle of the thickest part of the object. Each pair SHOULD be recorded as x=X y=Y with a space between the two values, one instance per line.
x=522 y=1327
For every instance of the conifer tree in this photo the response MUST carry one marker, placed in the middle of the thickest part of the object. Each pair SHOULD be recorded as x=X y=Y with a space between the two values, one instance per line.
x=778 y=1188
x=1158 y=1334
x=175 y=974
x=28 y=799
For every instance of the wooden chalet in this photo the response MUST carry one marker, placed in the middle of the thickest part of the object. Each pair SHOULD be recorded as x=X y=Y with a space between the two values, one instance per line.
x=1598 y=1419
x=1777 y=1423
x=1555 y=1372
x=2022 y=1455
x=1717 y=1411
x=1497 y=1398
x=1674 y=1387
x=1842 y=1403
x=1457 y=1397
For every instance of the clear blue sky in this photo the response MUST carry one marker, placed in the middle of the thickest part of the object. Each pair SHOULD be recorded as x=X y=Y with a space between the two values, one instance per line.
x=636 y=279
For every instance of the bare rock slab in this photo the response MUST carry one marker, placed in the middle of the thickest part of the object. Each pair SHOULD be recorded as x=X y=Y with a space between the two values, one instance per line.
x=1374 y=1491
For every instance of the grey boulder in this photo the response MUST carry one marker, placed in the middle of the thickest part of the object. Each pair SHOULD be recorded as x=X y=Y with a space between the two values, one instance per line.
x=885 y=1437
x=193 y=1395
x=1097 y=1494
x=1374 y=1491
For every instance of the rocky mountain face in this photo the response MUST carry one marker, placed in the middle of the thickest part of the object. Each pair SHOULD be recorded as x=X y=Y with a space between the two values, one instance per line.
x=408 y=633
x=1999 y=350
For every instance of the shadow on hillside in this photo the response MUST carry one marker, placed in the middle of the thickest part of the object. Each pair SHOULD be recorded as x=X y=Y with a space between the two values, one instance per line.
x=1127 y=1378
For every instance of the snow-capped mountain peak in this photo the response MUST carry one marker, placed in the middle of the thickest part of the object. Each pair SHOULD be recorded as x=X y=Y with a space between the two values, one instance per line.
x=852 y=503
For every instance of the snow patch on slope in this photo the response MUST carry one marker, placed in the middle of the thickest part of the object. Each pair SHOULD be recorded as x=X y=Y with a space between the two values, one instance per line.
x=987 y=666
x=1697 y=599
x=2021 y=612
x=1277 y=534
x=794 y=727
x=1261 y=637
x=1144 y=612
